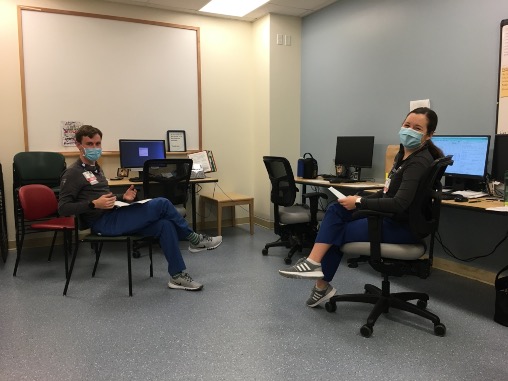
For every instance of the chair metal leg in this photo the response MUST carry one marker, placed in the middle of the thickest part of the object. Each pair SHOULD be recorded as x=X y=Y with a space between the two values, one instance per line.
x=97 y=250
x=71 y=268
x=19 y=247
x=151 y=262
x=53 y=245
x=129 y=266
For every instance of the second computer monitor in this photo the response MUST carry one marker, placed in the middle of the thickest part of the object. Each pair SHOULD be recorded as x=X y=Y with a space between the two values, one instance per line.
x=500 y=157
x=354 y=151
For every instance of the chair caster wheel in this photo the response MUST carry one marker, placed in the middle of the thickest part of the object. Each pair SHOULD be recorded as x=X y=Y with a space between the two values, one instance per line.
x=331 y=306
x=288 y=261
x=136 y=254
x=366 y=331
x=421 y=304
x=264 y=251
x=439 y=329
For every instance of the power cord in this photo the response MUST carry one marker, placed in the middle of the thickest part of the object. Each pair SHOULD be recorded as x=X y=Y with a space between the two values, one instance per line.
x=470 y=259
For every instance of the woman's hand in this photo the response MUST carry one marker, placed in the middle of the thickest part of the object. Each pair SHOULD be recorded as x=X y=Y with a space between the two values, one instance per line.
x=348 y=202
x=130 y=194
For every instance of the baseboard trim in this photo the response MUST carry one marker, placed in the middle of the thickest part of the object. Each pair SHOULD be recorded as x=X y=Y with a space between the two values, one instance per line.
x=465 y=271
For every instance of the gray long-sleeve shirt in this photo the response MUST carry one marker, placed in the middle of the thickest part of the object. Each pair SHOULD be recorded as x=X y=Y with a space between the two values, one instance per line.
x=80 y=184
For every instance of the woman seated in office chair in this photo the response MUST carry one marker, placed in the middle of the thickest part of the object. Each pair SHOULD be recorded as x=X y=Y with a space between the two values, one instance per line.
x=339 y=226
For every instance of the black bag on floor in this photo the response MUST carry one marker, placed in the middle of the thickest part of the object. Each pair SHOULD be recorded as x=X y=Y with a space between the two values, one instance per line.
x=501 y=310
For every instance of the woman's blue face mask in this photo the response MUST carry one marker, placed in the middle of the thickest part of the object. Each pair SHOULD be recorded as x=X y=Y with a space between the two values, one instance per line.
x=410 y=138
x=93 y=154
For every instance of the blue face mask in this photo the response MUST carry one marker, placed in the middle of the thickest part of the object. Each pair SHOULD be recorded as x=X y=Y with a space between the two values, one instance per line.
x=410 y=138
x=93 y=154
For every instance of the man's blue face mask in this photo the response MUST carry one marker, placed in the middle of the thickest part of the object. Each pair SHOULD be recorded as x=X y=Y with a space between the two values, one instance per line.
x=93 y=154
x=410 y=138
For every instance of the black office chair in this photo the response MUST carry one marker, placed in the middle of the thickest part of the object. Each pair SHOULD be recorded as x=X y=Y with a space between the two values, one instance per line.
x=43 y=168
x=295 y=224
x=97 y=242
x=400 y=259
x=168 y=178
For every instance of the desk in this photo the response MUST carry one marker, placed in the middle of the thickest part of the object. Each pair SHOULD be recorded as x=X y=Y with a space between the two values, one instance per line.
x=192 y=182
x=320 y=182
x=478 y=204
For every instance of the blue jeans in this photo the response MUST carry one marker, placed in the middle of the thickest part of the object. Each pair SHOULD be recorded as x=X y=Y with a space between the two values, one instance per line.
x=157 y=218
x=338 y=227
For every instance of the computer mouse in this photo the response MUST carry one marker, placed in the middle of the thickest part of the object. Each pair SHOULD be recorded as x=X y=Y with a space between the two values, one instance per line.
x=460 y=198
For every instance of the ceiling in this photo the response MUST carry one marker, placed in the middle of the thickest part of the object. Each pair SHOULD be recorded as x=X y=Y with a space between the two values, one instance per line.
x=299 y=8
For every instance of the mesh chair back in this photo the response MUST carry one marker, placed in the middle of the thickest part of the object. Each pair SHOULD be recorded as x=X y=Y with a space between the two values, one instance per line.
x=37 y=201
x=425 y=210
x=38 y=168
x=282 y=179
x=168 y=178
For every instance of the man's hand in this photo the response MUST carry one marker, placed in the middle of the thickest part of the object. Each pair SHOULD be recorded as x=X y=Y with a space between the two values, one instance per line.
x=106 y=201
x=130 y=194
x=348 y=202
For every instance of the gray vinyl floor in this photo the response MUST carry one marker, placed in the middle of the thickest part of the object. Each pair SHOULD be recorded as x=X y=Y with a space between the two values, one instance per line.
x=247 y=324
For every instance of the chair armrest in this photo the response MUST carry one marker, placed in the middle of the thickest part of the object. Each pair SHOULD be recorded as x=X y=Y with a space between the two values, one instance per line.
x=313 y=200
x=315 y=195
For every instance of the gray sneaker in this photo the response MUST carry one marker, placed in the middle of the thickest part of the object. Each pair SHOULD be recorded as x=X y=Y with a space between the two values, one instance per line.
x=205 y=243
x=183 y=281
x=303 y=269
x=320 y=296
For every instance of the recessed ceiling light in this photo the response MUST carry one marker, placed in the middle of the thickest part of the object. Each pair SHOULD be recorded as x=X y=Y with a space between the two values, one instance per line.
x=237 y=8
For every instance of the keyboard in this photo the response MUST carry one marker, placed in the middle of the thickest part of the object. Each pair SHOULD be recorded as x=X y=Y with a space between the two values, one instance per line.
x=135 y=179
x=337 y=180
x=447 y=196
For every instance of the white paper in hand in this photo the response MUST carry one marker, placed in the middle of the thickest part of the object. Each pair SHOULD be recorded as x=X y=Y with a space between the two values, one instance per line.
x=336 y=193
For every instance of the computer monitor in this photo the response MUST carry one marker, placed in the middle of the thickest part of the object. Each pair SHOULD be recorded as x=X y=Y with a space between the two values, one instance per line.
x=134 y=153
x=500 y=157
x=354 y=151
x=470 y=155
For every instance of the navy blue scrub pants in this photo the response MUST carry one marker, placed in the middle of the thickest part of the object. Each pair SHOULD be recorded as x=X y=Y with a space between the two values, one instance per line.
x=338 y=227
x=157 y=218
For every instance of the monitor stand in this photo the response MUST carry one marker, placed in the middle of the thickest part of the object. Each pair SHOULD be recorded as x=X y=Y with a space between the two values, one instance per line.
x=459 y=184
x=138 y=179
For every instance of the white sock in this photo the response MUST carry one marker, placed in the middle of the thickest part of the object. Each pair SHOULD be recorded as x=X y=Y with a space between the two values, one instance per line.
x=313 y=262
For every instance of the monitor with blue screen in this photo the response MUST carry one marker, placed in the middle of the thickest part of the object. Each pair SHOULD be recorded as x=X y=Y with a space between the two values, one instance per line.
x=134 y=153
x=470 y=155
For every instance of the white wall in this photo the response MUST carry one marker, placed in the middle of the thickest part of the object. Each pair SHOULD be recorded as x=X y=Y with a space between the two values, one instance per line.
x=235 y=93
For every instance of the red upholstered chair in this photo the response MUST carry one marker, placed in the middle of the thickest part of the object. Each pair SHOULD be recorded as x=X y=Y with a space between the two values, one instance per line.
x=39 y=206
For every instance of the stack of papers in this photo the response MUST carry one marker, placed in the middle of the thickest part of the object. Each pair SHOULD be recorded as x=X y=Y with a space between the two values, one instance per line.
x=471 y=194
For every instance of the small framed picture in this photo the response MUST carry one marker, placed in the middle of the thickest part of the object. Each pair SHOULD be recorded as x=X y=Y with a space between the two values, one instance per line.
x=122 y=172
x=176 y=141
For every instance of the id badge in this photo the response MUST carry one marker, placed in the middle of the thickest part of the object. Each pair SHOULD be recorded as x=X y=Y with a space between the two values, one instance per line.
x=387 y=185
x=90 y=177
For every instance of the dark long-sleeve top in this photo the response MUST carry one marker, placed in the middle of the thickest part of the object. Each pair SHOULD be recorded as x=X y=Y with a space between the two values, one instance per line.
x=404 y=179
x=76 y=191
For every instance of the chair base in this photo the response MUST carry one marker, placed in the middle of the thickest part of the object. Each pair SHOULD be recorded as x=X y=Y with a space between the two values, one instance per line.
x=293 y=243
x=383 y=300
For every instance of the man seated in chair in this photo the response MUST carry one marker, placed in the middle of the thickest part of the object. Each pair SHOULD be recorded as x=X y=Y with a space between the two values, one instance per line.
x=339 y=225
x=84 y=191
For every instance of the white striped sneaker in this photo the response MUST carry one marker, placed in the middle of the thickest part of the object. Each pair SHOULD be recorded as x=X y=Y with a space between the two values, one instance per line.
x=303 y=269
x=320 y=296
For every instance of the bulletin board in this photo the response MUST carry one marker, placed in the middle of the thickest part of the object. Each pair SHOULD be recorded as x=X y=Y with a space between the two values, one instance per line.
x=132 y=79
x=502 y=101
